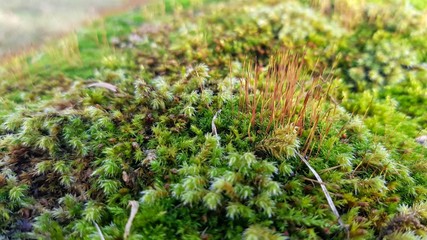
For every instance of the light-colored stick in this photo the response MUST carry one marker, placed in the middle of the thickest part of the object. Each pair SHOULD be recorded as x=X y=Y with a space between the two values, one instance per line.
x=134 y=209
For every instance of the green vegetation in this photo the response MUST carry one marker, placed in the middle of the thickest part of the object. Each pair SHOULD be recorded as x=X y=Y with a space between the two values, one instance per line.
x=211 y=120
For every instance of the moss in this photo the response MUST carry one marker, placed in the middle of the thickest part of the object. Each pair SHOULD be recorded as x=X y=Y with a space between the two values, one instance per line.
x=202 y=115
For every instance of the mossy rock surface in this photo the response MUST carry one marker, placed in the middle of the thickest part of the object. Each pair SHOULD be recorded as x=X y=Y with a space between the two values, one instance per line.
x=200 y=113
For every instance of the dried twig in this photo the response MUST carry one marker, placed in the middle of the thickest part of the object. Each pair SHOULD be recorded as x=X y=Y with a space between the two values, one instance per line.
x=325 y=191
x=134 y=209
x=99 y=231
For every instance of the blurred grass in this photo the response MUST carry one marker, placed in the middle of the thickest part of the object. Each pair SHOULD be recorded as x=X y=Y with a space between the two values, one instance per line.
x=24 y=23
x=419 y=4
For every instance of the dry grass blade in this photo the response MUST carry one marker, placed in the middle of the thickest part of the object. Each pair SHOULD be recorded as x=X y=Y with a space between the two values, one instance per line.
x=99 y=231
x=214 y=130
x=105 y=85
x=325 y=191
x=134 y=209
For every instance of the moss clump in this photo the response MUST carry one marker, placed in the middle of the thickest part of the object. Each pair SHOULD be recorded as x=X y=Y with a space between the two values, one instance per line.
x=202 y=117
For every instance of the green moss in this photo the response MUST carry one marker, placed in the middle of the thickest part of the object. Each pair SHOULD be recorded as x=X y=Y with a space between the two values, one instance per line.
x=196 y=117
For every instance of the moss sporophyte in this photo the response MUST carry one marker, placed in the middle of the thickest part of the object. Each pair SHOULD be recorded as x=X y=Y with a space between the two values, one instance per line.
x=221 y=120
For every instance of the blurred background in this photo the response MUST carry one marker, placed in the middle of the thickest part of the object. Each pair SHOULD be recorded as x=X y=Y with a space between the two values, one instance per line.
x=28 y=23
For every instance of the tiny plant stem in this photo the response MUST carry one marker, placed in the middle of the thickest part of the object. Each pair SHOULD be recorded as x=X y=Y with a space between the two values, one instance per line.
x=241 y=101
x=328 y=128
x=331 y=168
x=255 y=99
x=314 y=181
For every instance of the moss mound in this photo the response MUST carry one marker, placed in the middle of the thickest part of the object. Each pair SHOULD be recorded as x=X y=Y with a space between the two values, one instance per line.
x=262 y=120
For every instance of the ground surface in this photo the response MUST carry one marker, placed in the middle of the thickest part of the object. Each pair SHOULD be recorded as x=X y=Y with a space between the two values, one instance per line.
x=25 y=23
